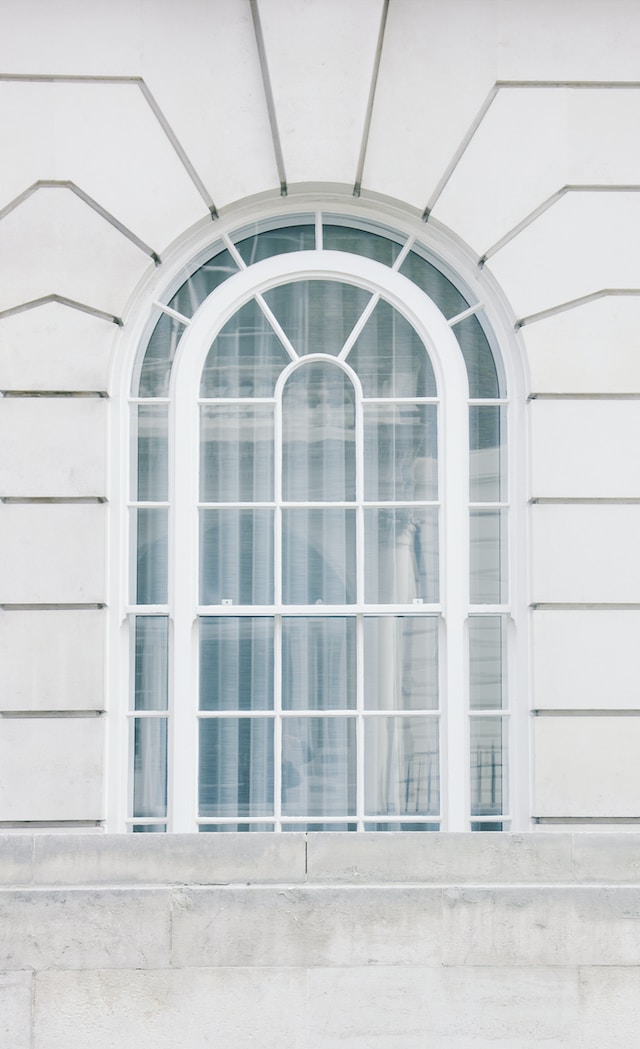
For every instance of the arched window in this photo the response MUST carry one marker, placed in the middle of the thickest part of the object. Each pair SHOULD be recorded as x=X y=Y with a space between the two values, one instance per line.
x=319 y=605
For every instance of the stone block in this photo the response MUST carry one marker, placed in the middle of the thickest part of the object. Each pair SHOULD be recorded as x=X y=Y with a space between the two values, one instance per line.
x=81 y=929
x=305 y=926
x=15 y=1010
x=187 y=1009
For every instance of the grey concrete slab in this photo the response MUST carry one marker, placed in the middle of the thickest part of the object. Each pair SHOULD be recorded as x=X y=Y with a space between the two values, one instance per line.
x=451 y=1008
x=15 y=1010
x=541 y=926
x=440 y=858
x=173 y=859
x=189 y=1009
x=302 y=926
x=43 y=929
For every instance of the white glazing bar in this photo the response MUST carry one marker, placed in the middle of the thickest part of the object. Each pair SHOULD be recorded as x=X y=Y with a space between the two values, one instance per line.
x=173 y=313
x=359 y=325
x=403 y=253
x=318 y=224
x=233 y=251
x=277 y=327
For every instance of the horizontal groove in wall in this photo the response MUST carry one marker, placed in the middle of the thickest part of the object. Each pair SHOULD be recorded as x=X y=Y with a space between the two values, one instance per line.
x=49 y=824
x=37 y=715
x=56 y=500
x=584 y=397
x=556 y=500
x=55 y=393
x=584 y=820
x=584 y=606
x=71 y=606
x=599 y=712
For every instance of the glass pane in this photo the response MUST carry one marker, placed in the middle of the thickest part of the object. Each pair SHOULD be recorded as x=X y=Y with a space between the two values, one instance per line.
x=318 y=557
x=151 y=546
x=301 y=237
x=446 y=297
x=318 y=663
x=485 y=662
x=318 y=441
x=152 y=662
x=236 y=663
x=360 y=242
x=150 y=477
x=401 y=555
x=317 y=315
x=150 y=767
x=485 y=453
x=401 y=663
x=155 y=372
x=149 y=828
x=481 y=367
x=489 y=825
x=236 y=454
x=390 y=358
x=488 y=560
x=236 y=557
x=318 y=766
x=314 y=828
x=234 y=828
x=488 y=766
x=402 y=766
x=401 y=452
x=236 y=767
x=395 y=827
x=246 y=357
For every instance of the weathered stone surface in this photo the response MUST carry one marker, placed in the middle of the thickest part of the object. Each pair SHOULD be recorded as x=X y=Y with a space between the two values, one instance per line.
x=15 y=1010
x=187 y=1009
x=455 y=1008
x=70 y=929
x=307 y=926
x=192 y=859
x=439 y=858
x=541 y=926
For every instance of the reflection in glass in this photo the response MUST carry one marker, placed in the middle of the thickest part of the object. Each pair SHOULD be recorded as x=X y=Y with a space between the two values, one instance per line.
x=236 y=453
x=360 y=242
x=400 y=452
x=151 y=662
x=488 y=766
x=390 y=358
x=317 y=315
x=485 y=662
x=246 y=357
x=318 y=557
x=236 y=663
x=481 y=366
x=485 y=453
x=150 y=767
x=318 y=766
x=266 y=244
x=401 y=663
x=151 y=546
x=318 y=421
x=151 y=476
x=446 y=297
x=155 y=372
x=318 y=663
x=236 y=557
x=401 y=555
x=235 y=828
x=236 y=767
x=488 y=574
x=402 y=766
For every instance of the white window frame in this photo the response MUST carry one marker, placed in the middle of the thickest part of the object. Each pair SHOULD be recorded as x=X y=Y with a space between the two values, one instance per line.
x=451 y=378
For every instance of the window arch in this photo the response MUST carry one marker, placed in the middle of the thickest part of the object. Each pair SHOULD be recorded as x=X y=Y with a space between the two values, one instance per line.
x=320 y=604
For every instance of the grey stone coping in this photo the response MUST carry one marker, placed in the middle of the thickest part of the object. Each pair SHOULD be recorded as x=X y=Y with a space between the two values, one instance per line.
x=90 y=859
